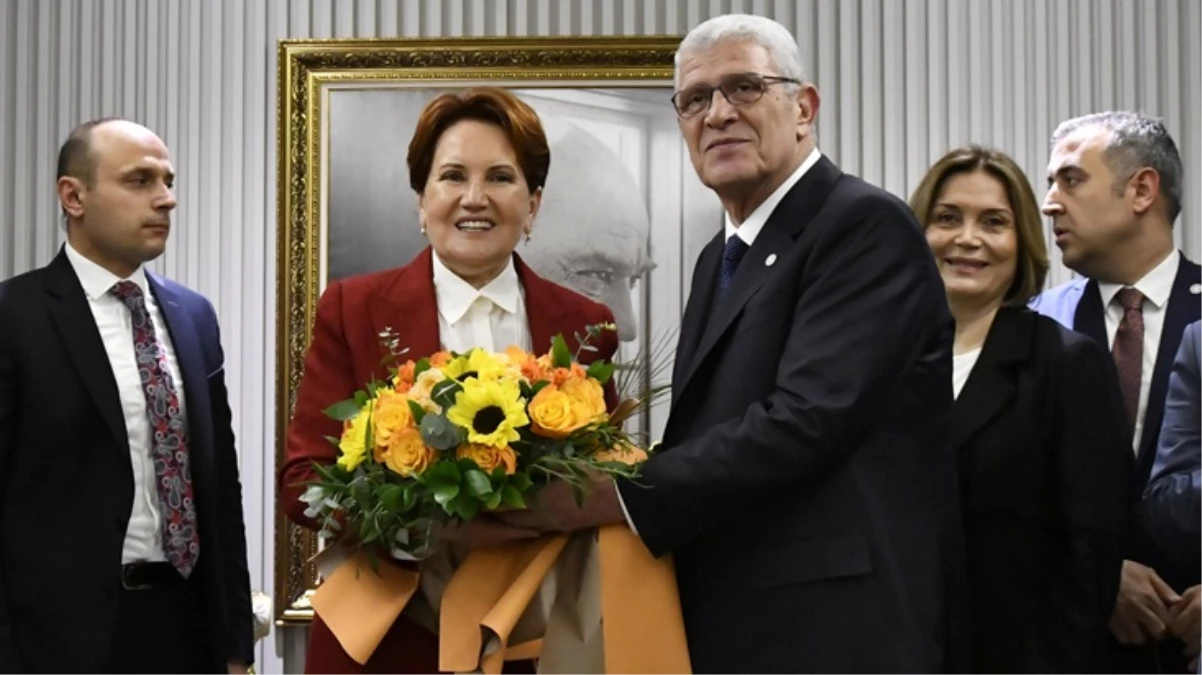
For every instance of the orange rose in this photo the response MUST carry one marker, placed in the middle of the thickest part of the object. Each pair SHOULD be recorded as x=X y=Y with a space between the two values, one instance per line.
x=440 y=359
x=407 y=453
x=527 y=364
x=488 y=458
x=587 y=394
x=558 y=376
x=555 y=414
x=404 y=376
x=391 y=414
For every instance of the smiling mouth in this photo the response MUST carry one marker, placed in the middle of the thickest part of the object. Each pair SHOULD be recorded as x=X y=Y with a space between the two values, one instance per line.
x=724 y=142
x=475 y=225
x=962 y=263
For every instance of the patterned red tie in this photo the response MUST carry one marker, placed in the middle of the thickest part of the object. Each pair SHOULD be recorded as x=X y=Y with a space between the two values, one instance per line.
x=169 y=436
x=1128 y=350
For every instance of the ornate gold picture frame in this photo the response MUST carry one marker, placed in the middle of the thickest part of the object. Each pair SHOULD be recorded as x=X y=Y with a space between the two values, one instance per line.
x=346 y=112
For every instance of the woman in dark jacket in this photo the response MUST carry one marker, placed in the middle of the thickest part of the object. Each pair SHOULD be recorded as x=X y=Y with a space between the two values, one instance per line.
x=1037 y=424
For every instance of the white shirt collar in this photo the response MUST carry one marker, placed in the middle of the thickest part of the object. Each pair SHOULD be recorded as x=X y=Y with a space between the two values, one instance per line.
x=96 y=280
x=455 y=296
x=1156 y=285
x=755 y=222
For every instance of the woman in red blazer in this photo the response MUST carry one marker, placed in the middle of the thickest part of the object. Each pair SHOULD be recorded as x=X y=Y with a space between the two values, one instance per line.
x=478 y=161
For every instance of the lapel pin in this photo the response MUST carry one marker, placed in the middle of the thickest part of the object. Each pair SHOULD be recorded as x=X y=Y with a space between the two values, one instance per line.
x=771 y=260
x=1195 y=289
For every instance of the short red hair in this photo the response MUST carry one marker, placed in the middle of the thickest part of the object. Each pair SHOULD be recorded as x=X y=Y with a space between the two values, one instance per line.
x=485 y=104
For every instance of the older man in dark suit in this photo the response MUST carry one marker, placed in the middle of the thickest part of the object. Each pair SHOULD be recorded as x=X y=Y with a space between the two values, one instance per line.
x=122 y=546
x=805 y=486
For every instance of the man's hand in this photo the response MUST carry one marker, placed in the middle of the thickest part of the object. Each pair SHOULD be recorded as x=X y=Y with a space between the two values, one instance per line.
x=1185 y=621
x=555 y=510
x=1141 y=612
x=485 y=531
x=237 y=668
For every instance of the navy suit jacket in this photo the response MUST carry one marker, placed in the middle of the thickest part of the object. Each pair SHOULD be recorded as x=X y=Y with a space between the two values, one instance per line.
x=1173 y=500
x=805 y=484
x=66 y=483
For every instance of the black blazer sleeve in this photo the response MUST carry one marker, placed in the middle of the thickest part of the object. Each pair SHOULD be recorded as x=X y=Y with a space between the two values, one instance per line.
x=9 y=393
x=239 y=643
x=1092 y=464
x=868 y=299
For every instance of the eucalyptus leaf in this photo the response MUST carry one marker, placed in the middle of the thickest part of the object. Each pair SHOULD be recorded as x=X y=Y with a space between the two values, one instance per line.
x=440 y=434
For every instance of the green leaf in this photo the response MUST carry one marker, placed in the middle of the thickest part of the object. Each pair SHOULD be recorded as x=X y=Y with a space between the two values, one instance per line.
x=478 y=483
x=419 y=413
x=442 y=473
x=463 y=506
x=444 y=493
x=601 y=371
x=538 y=386
x=408 y=497
x=440 y=434
x=420 y=367
x=390 y=498
x=512 y=497
x=444 y=393
x=527 y=391
x=361 y=399
x=493 y=501
x=561 y=356
x=344 y=410
x=521 y=482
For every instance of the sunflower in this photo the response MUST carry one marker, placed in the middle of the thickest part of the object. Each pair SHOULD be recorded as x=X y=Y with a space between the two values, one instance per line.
x=476 y=363
x=490 y=410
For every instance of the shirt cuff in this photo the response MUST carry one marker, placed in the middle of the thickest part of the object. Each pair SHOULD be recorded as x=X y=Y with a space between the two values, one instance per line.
x=624 y=511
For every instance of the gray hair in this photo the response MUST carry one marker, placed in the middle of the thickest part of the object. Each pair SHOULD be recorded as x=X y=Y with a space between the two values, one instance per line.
x=772 y=36
x=1137 y=141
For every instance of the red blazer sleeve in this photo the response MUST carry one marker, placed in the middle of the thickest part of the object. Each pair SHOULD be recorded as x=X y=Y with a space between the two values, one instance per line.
x=328 y=377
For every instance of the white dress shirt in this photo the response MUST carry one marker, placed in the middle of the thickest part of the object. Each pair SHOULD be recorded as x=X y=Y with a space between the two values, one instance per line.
x=143 y=534
x=1156 y=286
x=492 y=318
x=755 y=221
x=962 y=365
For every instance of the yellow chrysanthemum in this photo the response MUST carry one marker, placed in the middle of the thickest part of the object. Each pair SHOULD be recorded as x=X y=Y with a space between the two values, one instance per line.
x=477 y=363
x=353 y=443
x=490 y=410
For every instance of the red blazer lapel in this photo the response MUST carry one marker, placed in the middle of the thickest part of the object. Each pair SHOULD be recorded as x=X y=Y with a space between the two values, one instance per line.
x=546 y=312
x=409 y=309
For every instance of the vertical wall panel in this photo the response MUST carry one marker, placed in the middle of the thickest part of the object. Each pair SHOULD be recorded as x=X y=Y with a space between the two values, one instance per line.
x=901 y=81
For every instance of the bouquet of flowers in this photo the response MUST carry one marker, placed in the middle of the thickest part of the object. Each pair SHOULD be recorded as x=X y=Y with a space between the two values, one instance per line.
x=450 y=435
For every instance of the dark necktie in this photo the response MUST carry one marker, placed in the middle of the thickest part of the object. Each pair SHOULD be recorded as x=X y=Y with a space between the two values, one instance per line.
x=735 y=249
x=169 y=436
x=1128 y=349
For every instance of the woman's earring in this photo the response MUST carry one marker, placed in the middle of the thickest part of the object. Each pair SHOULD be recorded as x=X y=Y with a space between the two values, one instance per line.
x=423 y=230
x=527 y=237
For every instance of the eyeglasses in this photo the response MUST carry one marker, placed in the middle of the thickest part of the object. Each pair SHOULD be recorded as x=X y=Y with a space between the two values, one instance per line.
x=738 y=89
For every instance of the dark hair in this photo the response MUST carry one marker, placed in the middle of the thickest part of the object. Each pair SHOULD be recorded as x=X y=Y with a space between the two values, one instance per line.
x=1032 y=266
x=75 y=156
x=485 y=104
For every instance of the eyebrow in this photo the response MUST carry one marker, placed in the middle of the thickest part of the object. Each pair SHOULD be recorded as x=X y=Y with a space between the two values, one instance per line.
x=455 y=164
x=144 y=169
x=1065 y=169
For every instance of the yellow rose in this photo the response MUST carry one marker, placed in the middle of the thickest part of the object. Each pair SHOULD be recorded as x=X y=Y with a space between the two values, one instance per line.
x=488 y=458
x=392 y=414
x=555 y=414
x=587 y=393
x=353 y=443
x=407 y=453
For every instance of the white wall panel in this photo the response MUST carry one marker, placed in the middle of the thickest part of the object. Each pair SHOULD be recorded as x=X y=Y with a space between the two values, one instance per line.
x=901 y=81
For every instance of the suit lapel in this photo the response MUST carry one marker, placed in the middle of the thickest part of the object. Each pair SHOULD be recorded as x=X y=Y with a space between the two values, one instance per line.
x=1183 y=309
x=77 y=326
x=697 y=309
x=774 y=242
x=408 y=308
x=190 y=357
x=1090 y=316
x=991 y=384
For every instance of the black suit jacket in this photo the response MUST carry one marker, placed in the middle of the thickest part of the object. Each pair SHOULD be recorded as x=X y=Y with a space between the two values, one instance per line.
x=66 y=483
x=806 y=486
x=1045 y=475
